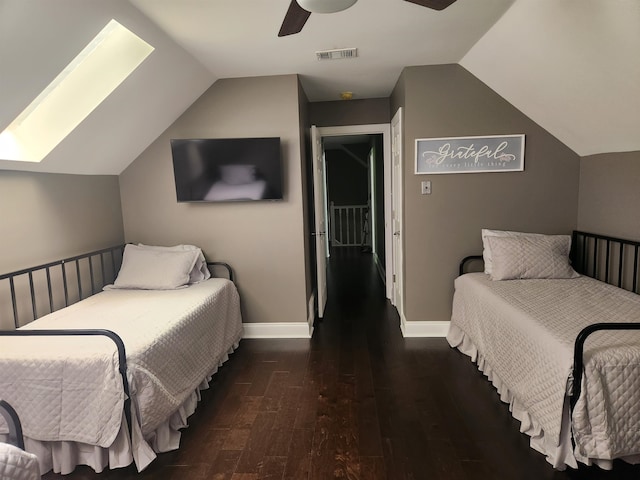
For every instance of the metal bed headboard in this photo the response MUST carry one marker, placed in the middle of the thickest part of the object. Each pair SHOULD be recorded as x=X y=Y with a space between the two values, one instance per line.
x=612 y=260
x=80 y=269
x=609 y=259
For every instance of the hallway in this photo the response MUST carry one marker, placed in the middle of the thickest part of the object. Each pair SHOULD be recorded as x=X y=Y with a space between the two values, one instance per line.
x=357 y=401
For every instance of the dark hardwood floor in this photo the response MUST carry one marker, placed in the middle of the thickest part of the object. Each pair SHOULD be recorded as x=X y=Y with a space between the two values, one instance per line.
x=357 y=401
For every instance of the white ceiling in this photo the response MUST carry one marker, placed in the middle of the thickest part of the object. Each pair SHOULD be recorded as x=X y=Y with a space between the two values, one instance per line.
x=238 y=38
x=571 y=65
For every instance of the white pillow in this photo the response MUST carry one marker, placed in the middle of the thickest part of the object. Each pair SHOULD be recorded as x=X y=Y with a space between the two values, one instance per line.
x=238 y=174
x=531 y=256
x=200 y=271
x=486 y=249
x=149 y=269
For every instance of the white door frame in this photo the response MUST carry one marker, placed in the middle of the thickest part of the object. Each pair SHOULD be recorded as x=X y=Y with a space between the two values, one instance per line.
x=397 y=167
x=320 y=209
x=385 y=130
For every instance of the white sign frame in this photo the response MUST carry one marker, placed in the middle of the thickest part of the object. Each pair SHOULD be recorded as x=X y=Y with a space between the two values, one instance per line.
x=481 y=154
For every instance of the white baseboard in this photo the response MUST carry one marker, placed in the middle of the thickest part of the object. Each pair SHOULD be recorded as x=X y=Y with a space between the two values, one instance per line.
x=424 y=329
x=284 y=329
x=277 y=330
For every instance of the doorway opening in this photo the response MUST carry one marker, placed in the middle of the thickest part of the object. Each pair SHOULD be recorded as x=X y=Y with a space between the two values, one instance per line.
x=355 y=198
x=352 y=165
x=354 y=175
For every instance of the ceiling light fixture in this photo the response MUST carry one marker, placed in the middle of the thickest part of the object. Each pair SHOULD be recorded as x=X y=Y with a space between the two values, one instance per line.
x=325 y=6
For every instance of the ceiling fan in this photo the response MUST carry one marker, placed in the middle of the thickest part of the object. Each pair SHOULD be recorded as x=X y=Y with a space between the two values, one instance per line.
x=300 y=10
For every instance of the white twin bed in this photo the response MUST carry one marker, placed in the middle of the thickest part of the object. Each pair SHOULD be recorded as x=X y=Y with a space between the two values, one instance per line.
x=176 y=325
x=519 y=323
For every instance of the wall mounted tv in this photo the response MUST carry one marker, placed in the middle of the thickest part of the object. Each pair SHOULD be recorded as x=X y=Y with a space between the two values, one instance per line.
x=227 y=169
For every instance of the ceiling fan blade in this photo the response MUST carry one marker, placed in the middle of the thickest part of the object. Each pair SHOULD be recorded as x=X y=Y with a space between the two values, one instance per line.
x=294 y=19
x=433 y=4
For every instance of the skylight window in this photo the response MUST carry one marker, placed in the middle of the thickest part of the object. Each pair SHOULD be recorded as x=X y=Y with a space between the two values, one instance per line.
x=90 y=78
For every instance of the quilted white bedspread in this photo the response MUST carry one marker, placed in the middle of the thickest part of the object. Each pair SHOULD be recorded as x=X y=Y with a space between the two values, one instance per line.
x=69 y=388
x=524 y=330
x=16 y=464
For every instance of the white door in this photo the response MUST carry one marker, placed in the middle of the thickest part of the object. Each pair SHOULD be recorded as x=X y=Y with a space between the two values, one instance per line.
x=396 y=208
x=321 y=218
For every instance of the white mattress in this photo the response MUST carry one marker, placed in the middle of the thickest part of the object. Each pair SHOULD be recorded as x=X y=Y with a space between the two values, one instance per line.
x=521 y=333
x=68 y=389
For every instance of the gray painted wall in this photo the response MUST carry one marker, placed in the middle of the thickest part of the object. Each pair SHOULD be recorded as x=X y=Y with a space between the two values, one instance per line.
x=263 y=241
x=610 y=194
x=441 y=228
x=46 y=217
x=350 y=112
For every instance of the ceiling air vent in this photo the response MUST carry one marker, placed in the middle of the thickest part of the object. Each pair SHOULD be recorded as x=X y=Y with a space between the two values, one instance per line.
x=337 y=54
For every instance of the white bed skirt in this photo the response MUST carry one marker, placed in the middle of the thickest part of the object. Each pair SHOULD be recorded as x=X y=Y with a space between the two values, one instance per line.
x=64 y=457
x=560 y=456
x=557 y=455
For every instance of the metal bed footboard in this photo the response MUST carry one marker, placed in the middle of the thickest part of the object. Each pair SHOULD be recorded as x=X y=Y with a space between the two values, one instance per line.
x=611 y=260
x=13 y=422
x=122 y=357
x=578 y=354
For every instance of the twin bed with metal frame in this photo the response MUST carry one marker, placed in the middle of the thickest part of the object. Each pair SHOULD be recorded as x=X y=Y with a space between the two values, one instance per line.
x=562 y=351
x=81 y=400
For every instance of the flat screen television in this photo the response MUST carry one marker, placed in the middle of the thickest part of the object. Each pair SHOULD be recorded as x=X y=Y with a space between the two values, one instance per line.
x=227 y=169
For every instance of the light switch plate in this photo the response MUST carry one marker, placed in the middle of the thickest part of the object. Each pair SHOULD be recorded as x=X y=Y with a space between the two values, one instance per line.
x=426 y=187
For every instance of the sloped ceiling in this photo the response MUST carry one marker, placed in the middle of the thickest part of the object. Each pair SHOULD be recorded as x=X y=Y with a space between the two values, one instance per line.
x=38 y=38
x=571 y=65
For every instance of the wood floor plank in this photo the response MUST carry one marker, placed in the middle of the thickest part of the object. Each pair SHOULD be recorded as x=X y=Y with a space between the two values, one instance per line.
x=236 y=439
x=227 y=412
x=273 y=396
x=298 y=463
x=257 y=444
x=224 y=465
x=368 y=428
x=249 y=407
x=272 y=468
x=372 y=468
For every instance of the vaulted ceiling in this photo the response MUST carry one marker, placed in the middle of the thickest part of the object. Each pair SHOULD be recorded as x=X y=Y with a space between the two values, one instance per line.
x=571 y=65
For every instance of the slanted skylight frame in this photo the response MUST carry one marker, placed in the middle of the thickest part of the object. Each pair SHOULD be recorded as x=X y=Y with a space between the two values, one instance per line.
x=81 y=86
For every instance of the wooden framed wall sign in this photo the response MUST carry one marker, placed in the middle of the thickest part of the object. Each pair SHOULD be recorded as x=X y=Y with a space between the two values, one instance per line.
x=497 y=153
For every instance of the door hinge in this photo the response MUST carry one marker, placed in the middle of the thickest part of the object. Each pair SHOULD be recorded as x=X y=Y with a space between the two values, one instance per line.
x=394 y=278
